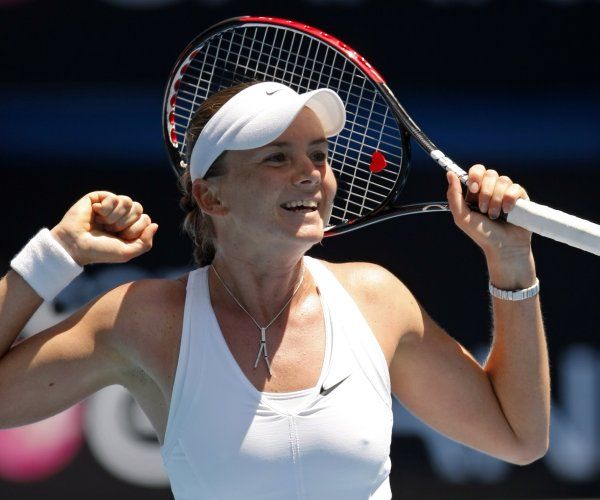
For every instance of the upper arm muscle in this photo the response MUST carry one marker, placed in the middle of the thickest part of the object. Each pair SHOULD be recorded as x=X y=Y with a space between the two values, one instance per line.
x=62 y=365
x=439 y=381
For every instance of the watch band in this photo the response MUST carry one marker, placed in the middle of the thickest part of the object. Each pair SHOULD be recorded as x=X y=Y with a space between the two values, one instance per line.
x=514 y=295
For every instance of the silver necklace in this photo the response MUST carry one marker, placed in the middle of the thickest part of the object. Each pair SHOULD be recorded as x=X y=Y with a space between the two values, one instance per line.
x=263 y=329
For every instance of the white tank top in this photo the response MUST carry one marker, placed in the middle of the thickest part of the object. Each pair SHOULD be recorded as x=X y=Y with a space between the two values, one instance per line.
x=225 y=440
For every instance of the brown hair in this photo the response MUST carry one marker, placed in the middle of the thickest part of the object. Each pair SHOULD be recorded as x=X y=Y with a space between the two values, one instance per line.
x=196 y=224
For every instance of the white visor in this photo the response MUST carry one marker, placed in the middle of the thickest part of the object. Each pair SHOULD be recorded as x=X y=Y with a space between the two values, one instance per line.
x=257 y=116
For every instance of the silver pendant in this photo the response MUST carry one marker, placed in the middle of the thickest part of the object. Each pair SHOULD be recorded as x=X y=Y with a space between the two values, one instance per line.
x=263 y=349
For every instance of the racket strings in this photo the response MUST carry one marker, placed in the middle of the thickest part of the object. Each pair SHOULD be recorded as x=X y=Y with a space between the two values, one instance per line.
x=297 y=59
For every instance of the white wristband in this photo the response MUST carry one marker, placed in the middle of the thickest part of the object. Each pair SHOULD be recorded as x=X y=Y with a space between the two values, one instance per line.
x=45 y=265
x=523 y=294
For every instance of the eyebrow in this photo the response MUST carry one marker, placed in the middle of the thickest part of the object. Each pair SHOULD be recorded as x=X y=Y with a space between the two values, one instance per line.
x=284 y=144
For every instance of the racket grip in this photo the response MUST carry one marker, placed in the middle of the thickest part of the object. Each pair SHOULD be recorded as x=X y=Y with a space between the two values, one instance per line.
x=559 y=226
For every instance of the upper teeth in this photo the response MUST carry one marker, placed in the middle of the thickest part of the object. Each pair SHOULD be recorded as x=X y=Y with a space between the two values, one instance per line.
x=300 y=203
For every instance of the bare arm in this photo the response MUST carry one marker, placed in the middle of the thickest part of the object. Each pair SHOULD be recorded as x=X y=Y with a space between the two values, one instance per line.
x=100 y=227
x=503 y=407
x=500 y=408
x=62 y=365
x=18 y=302
x=517 y=365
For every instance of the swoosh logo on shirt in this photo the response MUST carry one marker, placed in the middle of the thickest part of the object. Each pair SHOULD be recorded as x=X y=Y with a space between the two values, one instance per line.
x=324 y=391
x=271 y=92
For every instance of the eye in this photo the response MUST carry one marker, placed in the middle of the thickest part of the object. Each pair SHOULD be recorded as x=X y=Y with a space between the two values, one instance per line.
x=275 y=158
x=319 y=156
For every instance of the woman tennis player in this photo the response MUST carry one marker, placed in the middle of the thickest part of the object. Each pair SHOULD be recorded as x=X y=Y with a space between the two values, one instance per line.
x=268 y=374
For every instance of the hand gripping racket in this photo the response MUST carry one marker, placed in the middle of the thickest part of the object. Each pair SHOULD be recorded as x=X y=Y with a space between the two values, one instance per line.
x=370 y=156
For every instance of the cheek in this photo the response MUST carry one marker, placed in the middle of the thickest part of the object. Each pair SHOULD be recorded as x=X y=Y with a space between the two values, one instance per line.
x=329 y=191
x=330 y=184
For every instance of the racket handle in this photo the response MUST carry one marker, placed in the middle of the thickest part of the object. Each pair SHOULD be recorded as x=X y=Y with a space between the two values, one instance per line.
x=539 y=219
x=559 y=226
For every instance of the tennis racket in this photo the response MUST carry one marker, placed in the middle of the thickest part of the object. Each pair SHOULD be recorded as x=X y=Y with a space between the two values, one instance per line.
x=370 y=156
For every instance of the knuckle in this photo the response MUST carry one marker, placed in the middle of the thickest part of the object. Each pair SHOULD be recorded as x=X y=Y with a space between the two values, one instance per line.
x=138 y=208
x=498 y=195
x=476 y=171
x=487 y=188
x=504 y=179
x=491 y=173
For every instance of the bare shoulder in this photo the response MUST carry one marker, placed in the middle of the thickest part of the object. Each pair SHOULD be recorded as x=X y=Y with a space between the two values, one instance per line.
x=128 y=336
x=145 y=300
x=364 y=277
x=144 y=318
x=386 y=303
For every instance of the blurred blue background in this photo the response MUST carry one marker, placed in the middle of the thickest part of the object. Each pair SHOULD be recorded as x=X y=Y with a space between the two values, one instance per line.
x=511 y=84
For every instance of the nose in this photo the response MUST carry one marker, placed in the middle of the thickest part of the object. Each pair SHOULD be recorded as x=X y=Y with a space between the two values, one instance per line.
x=306 y=172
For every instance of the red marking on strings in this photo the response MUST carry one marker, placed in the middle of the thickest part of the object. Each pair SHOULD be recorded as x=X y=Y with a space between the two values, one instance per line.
x=176 y=85
x=174 y=137
x=172 y=118
x=173 y=100
x=378 y=162
x=183 y=69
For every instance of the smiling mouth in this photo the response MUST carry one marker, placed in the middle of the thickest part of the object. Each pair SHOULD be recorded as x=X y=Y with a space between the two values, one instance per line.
x=300 y=206
x=300 y=209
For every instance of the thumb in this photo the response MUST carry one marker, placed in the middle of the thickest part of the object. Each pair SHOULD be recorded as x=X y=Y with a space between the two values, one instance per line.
x=145 y=239
x=137 y=247
x=459 y=208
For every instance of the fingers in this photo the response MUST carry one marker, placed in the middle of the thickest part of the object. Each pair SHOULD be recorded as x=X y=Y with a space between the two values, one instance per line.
x=112 y=208
x=121 y=216
x=136 y=229
x=492 y=192
x=103 y=227
x=117 y=212
x=476 y=173
x=513 y=193
x=98 y=196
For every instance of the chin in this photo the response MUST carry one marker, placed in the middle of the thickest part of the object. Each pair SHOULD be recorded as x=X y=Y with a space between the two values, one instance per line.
x=311 y=237
x=310 y=233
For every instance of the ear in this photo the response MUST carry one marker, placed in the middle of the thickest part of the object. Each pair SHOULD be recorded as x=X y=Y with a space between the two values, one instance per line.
x=206 y=195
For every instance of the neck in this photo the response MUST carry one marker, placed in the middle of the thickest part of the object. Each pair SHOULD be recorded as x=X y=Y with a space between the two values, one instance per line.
x=262 y=287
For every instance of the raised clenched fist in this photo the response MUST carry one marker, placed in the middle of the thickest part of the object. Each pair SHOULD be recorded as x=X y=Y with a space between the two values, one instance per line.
x=103 y=227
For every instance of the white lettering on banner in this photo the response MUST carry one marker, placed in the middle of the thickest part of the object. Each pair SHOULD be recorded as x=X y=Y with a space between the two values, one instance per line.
x=122 y=440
